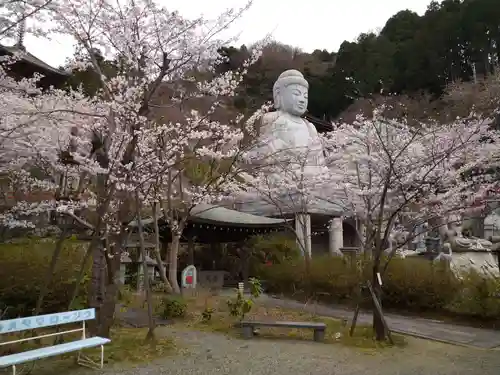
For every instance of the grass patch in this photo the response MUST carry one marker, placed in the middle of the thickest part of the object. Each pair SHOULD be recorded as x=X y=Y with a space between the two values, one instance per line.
x=127 y=346
x=337 y=332
x=221 y=321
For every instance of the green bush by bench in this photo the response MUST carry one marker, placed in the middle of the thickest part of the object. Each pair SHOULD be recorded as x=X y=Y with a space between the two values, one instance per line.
x=23 y=267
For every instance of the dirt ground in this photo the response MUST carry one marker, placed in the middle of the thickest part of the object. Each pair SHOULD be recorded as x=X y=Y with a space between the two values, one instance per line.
x=210 y=353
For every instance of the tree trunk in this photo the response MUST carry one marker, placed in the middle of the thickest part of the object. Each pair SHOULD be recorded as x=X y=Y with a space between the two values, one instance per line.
x=172 y=267
x=96 y=286
x=50 y=271
x=156 y=251
x=106 y=314
x=96 y=289
x=104 y=285
x=150 y=336
x=79 y=278
x=165 y=251
x=378 y=324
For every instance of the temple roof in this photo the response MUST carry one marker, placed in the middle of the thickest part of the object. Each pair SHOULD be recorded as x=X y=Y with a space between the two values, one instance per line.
x=31 y=59
x=217 y=215
x=214 y=224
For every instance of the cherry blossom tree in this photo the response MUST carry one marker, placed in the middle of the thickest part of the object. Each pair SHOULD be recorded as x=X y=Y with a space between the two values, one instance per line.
x=115 y=145
x=15 y=13
x=396 y=177
x=37 y=130
x=202 y=168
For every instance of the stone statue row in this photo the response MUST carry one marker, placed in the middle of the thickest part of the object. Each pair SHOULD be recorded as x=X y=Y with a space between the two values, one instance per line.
x=447 y=235
x=450 y=239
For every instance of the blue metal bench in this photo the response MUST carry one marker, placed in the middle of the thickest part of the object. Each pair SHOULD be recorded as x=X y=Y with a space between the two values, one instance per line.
x=51 y=320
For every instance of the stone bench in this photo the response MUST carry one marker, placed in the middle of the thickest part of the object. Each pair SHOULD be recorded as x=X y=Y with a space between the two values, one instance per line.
x=248 y=327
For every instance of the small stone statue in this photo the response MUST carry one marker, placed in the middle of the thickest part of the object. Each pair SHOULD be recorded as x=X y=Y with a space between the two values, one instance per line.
x=460 y=243
x=465 y=253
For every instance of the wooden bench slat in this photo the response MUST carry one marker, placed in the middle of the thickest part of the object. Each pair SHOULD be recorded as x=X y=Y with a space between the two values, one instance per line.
x=315 y=325
x=31 y=355
x=249 y=325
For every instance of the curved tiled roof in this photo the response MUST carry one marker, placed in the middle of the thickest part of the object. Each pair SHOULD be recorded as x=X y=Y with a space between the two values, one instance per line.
x=32 y=60
x=217 y=215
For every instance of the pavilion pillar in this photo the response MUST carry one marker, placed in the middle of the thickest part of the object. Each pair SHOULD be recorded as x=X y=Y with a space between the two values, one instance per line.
x=336 y=236
x=123 y=272
x=303 y=233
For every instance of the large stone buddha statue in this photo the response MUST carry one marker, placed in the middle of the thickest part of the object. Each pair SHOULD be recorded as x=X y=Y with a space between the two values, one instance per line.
x=289 y=143
x=284 y=134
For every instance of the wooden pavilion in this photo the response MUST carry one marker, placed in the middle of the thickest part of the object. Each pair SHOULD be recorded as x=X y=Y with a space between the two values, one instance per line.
x=215 y=225
x=29 y=64
x=210 y=224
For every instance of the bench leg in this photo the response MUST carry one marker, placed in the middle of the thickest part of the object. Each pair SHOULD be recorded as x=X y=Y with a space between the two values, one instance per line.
x=247 y=332
x=319 y=334
x=14 y=370
x=85 y=361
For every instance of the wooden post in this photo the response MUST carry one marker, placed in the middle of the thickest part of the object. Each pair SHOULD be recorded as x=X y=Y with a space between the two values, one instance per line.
x=378 y=307
x=354 y=319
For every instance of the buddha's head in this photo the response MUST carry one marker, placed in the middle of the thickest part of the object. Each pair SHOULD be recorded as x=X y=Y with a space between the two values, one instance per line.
x=290 y=93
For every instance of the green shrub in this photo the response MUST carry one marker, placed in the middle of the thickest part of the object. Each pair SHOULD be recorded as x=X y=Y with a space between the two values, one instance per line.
x=240 y=305
x=419 y=285
x=329 y=278
x=173 y=307
x=23 y=267
x=478 y=297
x=206 y=315
x=274 y=248
x=411 y=284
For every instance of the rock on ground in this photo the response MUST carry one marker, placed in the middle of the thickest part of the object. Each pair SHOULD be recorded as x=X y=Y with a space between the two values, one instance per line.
x=206 y=353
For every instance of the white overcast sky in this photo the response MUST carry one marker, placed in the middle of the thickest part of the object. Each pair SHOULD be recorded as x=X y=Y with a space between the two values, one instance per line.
x=307 y=24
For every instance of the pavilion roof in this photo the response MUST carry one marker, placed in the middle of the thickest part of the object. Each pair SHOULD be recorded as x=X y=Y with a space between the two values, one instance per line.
x=217 y=215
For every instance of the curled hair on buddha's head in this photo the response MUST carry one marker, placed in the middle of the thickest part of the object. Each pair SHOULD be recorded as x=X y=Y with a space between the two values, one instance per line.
x=288 y=77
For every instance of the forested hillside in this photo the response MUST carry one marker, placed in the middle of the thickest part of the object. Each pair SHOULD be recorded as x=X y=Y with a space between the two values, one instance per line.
x=413 y=58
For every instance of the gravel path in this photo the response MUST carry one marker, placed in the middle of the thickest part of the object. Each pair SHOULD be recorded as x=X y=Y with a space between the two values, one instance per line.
x=205 y=353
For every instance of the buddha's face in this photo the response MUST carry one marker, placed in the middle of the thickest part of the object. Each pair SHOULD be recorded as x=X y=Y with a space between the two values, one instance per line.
x=294 y=99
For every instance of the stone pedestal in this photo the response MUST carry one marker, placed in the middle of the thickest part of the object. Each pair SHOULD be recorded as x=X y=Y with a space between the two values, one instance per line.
x=303 y=231
x=483 y=262
x=336 y=236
